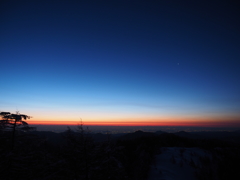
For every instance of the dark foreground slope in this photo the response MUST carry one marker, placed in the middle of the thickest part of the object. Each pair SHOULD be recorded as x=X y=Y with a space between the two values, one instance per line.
x=82 y=155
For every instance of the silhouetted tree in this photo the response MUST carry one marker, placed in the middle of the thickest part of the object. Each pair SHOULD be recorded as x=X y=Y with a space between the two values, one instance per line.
x=79 y=151
x=14 y=122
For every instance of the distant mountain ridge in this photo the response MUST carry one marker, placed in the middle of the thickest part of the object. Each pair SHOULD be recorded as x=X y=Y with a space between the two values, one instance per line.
x=99 y=137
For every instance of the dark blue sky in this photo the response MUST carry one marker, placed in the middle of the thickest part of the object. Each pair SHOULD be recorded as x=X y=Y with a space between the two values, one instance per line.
x=121 y=60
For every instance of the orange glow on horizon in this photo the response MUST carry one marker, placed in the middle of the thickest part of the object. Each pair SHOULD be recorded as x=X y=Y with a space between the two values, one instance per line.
x=193 y=123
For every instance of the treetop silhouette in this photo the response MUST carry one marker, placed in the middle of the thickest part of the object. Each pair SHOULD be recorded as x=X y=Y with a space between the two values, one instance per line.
x=14 y=122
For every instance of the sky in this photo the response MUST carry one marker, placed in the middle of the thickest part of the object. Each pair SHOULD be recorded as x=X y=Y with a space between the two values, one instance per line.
x=121 y=62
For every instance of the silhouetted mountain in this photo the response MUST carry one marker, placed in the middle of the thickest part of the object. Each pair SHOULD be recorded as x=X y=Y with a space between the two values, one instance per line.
x=187 y=135
x=182 y=134
x=160 y=132
x=237 y=131
x=99 y=137
x=51 y=137
x=220 y=135
x=224 y=136
x=137 y=134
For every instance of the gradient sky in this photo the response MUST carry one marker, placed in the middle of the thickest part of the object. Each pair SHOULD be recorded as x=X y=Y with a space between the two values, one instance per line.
x=121 y=62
